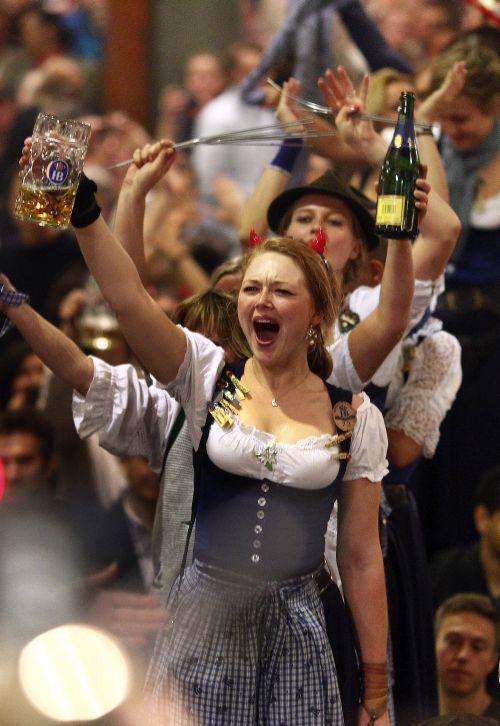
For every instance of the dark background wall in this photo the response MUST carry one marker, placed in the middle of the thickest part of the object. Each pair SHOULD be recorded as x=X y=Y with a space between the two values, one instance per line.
x=148 y=42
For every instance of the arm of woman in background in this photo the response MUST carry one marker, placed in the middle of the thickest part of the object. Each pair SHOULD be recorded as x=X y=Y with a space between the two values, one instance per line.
x=276 y=175
x=141 y=177
x=439 y=232
x=440 y=227
x=365 y=33
x=371 y=341
x=428 y=112
x=51 y=345
x=146 y=173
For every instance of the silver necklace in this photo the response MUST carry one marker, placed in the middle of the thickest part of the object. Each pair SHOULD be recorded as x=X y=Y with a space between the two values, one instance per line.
x=274 y=400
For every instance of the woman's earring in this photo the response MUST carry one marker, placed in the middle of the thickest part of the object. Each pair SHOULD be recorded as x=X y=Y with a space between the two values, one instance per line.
x=311 y=335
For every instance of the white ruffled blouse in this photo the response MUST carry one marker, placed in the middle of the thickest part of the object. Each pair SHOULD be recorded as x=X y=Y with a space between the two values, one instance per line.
x=307 y=464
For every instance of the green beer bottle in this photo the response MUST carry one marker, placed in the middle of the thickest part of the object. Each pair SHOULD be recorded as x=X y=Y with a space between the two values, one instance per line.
x=396 y=215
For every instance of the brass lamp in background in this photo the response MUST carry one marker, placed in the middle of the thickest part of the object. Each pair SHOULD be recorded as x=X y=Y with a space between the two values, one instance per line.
x=98 y=332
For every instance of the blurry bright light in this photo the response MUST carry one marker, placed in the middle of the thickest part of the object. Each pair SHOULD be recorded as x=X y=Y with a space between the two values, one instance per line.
x=101 y=343
x=74 y=673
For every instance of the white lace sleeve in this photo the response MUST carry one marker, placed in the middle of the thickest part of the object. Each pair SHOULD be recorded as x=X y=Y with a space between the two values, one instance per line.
x=129 y=417
x=344 y=374
x=193 y=387
x=419 y=406
x=368 y=445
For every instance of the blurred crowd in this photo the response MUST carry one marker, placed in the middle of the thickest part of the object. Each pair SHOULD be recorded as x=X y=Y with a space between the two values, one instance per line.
x=101 y=507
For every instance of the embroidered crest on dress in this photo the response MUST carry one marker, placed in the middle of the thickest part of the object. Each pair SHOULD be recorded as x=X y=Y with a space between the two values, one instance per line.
x=267 y=456
x=347 y=320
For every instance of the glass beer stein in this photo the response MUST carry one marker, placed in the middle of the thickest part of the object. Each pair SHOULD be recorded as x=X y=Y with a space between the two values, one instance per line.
x=50 y=178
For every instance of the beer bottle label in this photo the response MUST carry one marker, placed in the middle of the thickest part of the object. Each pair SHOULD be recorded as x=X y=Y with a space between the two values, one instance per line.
x=390 y=210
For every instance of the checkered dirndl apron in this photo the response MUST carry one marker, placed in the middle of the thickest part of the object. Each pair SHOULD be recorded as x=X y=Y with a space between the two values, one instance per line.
x=244 y=653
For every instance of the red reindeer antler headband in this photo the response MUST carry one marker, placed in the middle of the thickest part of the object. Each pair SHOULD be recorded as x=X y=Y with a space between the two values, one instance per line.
x=318 y=244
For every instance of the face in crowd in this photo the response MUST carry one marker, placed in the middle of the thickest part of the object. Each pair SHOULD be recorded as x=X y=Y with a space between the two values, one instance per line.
x=466 y=653
x=314 y=211
x=27 y=470
x=465 y=124
x=141 y=478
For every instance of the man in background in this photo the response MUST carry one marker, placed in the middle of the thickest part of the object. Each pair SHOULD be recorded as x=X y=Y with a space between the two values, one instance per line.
x=467 y=649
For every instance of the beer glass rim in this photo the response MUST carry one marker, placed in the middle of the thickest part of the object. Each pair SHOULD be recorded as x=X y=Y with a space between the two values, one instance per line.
x=63 y=125
x=61 y=120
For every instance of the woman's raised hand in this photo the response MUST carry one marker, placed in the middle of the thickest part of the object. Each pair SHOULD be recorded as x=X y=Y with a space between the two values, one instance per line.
x=452 y=86
x=345 y=103
x=151 y=163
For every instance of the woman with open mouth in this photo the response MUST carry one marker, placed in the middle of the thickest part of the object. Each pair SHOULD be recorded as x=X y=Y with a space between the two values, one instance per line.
x=275 y=446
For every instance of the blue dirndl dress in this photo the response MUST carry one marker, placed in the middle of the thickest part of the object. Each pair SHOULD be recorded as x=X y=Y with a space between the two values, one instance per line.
x=248 y=644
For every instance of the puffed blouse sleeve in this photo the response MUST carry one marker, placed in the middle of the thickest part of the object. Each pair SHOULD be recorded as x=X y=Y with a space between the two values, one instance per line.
x=368 y=444
x=344 y=374
x=194 y=385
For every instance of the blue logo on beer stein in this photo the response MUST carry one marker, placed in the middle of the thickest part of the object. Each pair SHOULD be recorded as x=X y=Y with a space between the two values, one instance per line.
x=57 y=171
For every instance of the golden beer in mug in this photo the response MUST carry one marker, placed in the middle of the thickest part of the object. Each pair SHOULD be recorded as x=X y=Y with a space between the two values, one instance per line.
x=50 y=178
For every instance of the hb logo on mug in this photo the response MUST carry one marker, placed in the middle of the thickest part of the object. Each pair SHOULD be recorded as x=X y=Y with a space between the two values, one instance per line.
x=57 y=171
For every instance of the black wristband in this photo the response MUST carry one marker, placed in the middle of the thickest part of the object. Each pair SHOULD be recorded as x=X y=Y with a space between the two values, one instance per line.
x=85 y=210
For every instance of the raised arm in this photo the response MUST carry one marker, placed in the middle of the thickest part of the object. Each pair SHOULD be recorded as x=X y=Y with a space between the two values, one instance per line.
x=156 y=341
x=371 y=341
x=440 y=227
x=365 y=33
x=439 y=232
x=51 y=345
x=428 y=112
x=150 y=165
x=276 y=175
